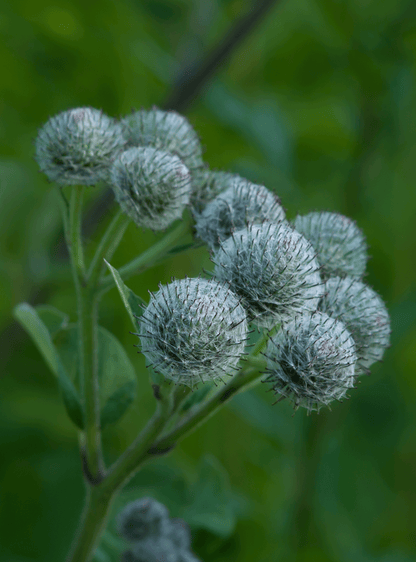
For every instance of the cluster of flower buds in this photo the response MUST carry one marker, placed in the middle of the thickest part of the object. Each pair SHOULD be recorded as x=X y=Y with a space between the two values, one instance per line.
x=155 y=537
x=305 y=276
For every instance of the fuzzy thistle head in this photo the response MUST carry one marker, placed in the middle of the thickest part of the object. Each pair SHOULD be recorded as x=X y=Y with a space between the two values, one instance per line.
x=142 y=518
x=78 y=146
x=274 y=271
x=193 y=330
x=152 y=187
x=164 y=130
x=311 y=361
x=243 y=203
x=364 y=314
x=207 y=184
x=339 y=244
x=152 y=550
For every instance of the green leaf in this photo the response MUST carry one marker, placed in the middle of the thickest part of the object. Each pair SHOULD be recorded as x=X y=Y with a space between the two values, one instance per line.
x=117 y=378
x=54 y=319
x=39 y=332
x=212 y=507
x=116 y=373
x=133 y=303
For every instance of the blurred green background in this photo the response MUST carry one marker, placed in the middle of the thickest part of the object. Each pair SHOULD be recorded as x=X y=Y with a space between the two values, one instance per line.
x=319 y=104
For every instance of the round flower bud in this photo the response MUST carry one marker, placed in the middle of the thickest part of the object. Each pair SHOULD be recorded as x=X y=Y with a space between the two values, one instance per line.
x=274 y=271
x=363 y=313
x=311 y=361
x=152 y=187
x=243 y=203
x=340 y=245
x=164 y=130
x=193 y=330
x=78 y=146
x=142 y=518
x=177 y=530
x=152 y=549
x=207 y=184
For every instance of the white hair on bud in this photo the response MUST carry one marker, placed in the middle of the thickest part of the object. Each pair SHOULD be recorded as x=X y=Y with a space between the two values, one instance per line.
x=274 y=271
x=78 y=146
x=243 y=203
x=164 y=130
x=363 y=312
x=340 y=245
x=311 y=361
x=193 y=330
x=153 y=187
x=161 y=549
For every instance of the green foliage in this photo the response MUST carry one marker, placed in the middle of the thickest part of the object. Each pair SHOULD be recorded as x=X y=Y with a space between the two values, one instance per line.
x=133 y=303
x=318 y=104
x=58 y=344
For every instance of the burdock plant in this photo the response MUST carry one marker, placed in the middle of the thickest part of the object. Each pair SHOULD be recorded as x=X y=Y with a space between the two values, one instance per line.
x=296 y=288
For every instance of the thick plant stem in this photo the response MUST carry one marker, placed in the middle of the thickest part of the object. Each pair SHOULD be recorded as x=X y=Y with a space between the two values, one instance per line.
x=87 y=306
x=150 y=256
x=93 y=522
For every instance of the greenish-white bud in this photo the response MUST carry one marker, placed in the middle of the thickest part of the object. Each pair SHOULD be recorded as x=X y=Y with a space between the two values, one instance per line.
x=274 y=271
x=142 y=518
x=207 y=184
x=164 y=130
x=243 y=203
x=152 y=550
x=311 y=361
x=153 y=187
x=177 y=530
x=193 y=330
x=77 y=147
x=364 y=314
x=339 y=243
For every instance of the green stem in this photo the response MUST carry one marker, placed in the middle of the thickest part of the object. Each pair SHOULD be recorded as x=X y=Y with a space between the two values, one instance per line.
x=130 y=461
x=107 y=246
x=87 y=305
x=75 y=238
x=93 y=522
x=150 y=256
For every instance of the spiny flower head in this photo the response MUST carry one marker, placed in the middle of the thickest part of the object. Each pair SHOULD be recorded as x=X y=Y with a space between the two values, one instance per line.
x=273 y=269
x=243 y=203
x=207 y=184
x=339 y=244
x=193 y=330
x=164 y=130
x=142 y=518
x=153 y=187
x=364 y=314
x=311 y=361
x=179 y=533
x=78 y=146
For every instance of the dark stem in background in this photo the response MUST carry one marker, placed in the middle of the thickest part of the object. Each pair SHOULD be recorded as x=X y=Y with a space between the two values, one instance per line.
x=186 y=88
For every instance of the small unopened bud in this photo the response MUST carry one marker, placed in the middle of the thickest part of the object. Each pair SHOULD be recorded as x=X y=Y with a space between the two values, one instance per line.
x=78 y=146
x=193 y=330
x=311 y=361
x=364 y=314
x=164 y=130
x=339 y=244
x=142 y=518
x=274 y=271
x=152 y=550
x=152 y=187
x=177 y=530
x=207 y=184
x=243 y=203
